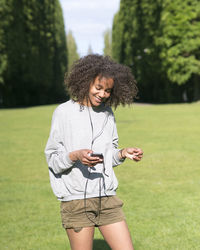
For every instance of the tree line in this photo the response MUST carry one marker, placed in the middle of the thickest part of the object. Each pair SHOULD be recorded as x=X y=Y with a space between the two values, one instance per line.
x=33 y=52
x=160 y=41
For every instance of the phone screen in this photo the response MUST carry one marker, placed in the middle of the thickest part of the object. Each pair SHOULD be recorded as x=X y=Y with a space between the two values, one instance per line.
x=97 y=155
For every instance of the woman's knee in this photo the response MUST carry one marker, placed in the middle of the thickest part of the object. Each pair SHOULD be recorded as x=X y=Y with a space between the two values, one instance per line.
x=81 y=238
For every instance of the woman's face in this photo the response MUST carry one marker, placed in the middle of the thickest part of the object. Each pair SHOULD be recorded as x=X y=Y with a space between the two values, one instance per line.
x=100 y=90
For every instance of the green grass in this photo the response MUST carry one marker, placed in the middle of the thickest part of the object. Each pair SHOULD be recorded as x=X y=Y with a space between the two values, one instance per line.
x=161 y=193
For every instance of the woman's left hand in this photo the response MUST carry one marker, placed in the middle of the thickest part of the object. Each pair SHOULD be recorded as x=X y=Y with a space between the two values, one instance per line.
x=135 y=154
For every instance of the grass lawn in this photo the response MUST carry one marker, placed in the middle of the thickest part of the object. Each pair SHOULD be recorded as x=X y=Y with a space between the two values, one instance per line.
x=161 y=194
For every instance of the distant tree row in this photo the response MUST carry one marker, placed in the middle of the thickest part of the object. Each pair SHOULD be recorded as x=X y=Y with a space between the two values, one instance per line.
x=33 y=52
x=107 y=43
x=160 y=41
x=72 y=49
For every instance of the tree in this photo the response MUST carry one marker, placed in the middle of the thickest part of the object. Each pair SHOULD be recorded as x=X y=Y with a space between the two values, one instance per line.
x=107 y=43
x=179 y=40
x=137 y=42
x=4 y=22
x=134 y=28
x=72 y=49
x=36 y=53
x=118 y=32
x=90 y=51
x=5 y=19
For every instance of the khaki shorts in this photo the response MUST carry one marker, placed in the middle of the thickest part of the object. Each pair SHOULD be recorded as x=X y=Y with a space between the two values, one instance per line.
x=77 y=214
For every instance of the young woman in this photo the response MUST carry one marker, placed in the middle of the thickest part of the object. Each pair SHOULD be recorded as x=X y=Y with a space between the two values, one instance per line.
x=82 y=150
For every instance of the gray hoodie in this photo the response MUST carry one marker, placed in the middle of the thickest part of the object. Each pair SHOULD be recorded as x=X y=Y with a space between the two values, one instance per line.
x=71 y=130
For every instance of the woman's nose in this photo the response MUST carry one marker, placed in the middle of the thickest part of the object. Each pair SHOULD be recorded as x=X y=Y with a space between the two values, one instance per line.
x=102 y=94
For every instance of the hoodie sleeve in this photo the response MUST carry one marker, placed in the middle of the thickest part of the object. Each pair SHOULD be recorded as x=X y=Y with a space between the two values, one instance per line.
x=56 y=155
x=116 y=159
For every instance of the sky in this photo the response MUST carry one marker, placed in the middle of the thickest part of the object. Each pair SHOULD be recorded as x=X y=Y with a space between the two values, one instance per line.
x=88 y=20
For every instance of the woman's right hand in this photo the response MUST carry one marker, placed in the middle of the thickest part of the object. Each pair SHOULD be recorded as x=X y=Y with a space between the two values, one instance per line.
x=83 y=155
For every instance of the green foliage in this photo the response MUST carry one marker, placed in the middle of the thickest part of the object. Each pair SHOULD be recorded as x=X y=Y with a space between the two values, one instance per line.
x=116 y=37
x=120 y=34
x=72 y=50
x=160 y=193
x=107 y=51
x=35 y=49
x=134 y=29
x=180 y=39
x=5 y=18
x=160 y=41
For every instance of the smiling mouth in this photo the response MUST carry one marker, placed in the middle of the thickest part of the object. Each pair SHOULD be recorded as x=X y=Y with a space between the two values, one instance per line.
x=98 y=99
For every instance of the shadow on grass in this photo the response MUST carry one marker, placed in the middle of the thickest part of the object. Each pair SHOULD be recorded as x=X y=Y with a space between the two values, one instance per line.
x=100 y=245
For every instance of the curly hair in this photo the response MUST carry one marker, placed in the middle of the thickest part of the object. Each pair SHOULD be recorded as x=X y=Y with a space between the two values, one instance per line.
x=84 y=72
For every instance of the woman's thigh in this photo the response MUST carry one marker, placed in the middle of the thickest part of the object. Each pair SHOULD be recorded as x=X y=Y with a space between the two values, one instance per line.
x=81 y=240
x=117 y=236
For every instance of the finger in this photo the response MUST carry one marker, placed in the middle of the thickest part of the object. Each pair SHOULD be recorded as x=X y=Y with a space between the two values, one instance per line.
x=139 y=151
x=90 y=162
x=139 y=155
x=95 y=158
x=92 y=158
x=136 y=154
x=133 y=151
x=138 y=158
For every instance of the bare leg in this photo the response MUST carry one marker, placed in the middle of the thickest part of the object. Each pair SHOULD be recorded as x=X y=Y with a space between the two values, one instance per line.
x=82 y=240
x=117 y=236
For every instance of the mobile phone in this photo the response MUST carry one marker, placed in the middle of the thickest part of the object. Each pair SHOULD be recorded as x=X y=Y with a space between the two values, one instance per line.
x=94 y=154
